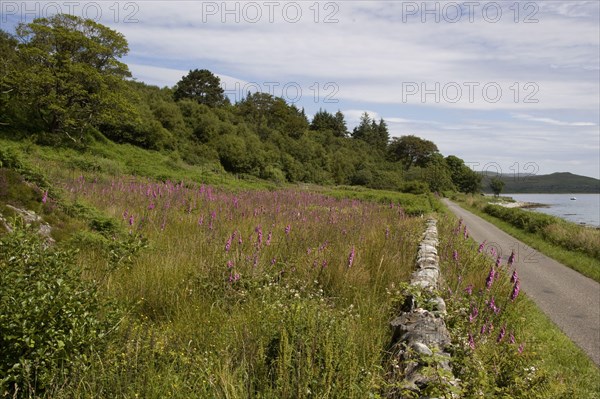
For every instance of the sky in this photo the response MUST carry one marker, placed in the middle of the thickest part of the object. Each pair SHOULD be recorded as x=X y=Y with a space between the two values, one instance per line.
x=508 y=86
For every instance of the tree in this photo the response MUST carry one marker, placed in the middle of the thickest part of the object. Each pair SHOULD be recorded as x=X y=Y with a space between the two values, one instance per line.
x=202 y=86
x=324 y=121
x=497 y=185
x=463 y=177
x=340 y=129
x=411 y=151
x=8 y=55
x=364 y=129
x=263 y=109
x=71 y=78
x=437 y=174
x=373 y=133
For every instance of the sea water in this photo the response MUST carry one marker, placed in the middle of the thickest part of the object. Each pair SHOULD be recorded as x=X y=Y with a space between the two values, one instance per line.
x=585 y=209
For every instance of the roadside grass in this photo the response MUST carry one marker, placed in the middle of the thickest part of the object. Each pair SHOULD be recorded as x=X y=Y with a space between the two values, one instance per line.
x=515 y=351
x=561 y=231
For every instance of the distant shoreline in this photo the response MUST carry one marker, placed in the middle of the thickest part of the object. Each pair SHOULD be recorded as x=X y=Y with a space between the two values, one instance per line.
x=520 y=204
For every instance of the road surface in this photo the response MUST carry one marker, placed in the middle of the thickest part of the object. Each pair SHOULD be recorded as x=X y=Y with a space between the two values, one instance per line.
x=568 y=298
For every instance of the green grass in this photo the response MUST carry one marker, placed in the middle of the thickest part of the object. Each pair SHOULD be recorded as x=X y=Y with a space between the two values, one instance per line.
x=576 y=259
x=301 y=320
x=111 y=159
x=236 y=292
x=561 y=369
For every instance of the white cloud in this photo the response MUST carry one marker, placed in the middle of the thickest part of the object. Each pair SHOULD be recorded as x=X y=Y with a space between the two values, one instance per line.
x=551 y=121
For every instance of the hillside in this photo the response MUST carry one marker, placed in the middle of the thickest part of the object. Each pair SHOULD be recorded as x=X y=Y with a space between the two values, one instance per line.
x=555 y=183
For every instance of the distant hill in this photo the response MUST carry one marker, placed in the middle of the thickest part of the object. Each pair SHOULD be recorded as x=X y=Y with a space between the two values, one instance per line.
x=559 y=183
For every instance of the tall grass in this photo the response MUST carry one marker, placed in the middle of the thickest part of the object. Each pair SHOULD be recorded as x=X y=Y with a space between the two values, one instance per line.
x=249 y=294
x=505 y=347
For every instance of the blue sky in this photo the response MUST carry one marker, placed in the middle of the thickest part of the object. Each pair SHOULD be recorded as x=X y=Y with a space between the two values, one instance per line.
x=504 y=85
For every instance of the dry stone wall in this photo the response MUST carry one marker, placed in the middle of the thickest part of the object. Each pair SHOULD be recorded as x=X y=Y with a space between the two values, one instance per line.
x=420 y=339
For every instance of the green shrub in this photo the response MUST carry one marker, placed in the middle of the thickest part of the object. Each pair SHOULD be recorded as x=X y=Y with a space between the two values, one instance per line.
x=49 y=316
x=526 y=220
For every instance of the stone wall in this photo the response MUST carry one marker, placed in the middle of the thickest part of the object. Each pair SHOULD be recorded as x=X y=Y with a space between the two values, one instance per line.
x=420 y=339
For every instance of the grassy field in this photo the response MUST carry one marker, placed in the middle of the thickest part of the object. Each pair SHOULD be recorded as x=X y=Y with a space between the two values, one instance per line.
x=181 y=288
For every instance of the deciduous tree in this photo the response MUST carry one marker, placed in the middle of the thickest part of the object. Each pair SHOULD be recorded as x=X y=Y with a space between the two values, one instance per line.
x=411 y=151
x=71 y=77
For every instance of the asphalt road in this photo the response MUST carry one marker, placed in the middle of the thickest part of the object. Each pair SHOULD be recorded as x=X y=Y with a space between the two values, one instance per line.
x=568 y=298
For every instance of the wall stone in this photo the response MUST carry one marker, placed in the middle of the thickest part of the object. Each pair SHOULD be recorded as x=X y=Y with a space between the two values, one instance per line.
x=420 y=339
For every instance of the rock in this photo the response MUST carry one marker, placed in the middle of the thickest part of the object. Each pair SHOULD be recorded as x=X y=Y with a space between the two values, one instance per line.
x=30 y=217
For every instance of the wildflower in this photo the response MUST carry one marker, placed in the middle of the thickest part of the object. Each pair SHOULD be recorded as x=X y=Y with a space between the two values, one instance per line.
x=469 y=289
x=288 y=228
x=324 y=264
x=351 y=257
x=323 y=246
x=228 y=243
x=511 y=338
x=515 y=292
x=498 y=261
x=481 y=246
x=229 y=264
x=492 y=305
x=387 y=232
x=473 y=314
x=45 y=197
x=455 y=255
x=521 y=347
x=151 y=206
x=269 y=236
x=471 y=342
x=514 y=276
x=131 y=220
x=466 y=233
x=240 y=241
x=260 y=235
x=200 y=220
x=233 y=277
x=511 y=258
x=490 y=278
x=273 y=261
x=483 y=328
x=502 y=334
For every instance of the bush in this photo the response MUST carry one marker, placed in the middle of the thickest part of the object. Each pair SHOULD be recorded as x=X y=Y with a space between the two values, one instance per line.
x=49 y=317
x=526 y=220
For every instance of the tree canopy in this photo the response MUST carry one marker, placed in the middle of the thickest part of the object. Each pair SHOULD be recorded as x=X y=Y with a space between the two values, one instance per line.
x=61 y=77
x=202 y=86
x=412 y=151
x=70 y=73
x=497 y=185
x=371 y=132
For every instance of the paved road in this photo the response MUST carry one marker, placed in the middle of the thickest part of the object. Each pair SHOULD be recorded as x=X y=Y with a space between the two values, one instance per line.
x=570 y=300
